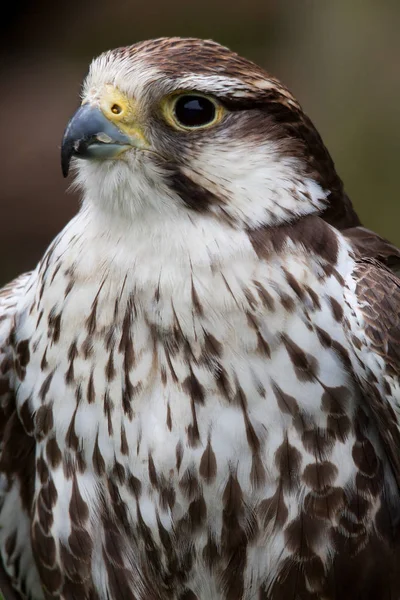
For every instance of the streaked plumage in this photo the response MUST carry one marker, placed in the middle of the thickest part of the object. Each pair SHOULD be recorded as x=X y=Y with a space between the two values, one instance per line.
x=200 y=380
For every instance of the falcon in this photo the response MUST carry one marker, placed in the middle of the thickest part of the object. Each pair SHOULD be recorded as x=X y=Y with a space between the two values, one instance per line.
x=200 y=379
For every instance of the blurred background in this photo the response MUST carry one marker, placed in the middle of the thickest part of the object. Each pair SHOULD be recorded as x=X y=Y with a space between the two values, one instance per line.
x=341 y=59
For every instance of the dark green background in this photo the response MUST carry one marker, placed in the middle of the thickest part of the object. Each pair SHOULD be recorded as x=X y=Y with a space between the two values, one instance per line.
x=341 y=59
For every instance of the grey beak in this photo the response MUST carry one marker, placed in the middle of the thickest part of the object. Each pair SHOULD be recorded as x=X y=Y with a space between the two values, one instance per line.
x=89 y=134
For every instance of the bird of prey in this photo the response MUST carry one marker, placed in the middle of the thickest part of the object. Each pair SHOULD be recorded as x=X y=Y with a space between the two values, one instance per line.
x=200 y=379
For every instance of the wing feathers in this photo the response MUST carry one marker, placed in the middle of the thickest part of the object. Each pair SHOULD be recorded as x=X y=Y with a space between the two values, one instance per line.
x=368 y=244
x=17 y=455
x=372 y=298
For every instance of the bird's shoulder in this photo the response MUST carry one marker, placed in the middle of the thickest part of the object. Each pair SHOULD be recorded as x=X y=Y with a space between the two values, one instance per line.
x=11 y=297
x=372 y=323
x=17 y=450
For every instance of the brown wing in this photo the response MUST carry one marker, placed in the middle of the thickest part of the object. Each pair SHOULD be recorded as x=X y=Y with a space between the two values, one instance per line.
x=372 y=298
x=364 y=525
x=17 y=456
x=368 y=244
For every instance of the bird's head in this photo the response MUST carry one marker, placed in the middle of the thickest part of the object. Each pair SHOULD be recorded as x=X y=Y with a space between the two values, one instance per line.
x=176 y=125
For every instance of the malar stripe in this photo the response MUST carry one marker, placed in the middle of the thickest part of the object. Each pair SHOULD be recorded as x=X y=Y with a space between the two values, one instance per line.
x=193 y=195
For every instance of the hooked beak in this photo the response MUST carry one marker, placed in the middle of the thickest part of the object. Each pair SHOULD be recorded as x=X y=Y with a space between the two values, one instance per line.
x=89 y=134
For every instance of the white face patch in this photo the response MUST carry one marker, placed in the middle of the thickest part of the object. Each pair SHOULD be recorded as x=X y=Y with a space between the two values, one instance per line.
x=259 y=185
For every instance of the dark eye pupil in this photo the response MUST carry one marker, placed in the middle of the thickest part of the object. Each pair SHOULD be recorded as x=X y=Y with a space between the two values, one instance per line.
x=194 y=111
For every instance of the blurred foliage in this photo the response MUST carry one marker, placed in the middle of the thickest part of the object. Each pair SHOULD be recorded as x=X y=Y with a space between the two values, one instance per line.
x=339 y=58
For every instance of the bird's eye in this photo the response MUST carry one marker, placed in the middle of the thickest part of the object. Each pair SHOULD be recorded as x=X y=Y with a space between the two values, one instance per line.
x=191 y=111
x=194 y=111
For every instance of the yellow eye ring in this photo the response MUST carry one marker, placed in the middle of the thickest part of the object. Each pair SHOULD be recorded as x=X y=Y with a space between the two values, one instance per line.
x=190 y=111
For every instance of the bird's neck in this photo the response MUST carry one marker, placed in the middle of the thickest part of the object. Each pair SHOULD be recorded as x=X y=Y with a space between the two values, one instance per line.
x=150 y=253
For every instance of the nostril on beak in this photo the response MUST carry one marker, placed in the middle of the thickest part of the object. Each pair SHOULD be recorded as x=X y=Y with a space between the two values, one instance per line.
x=89 y=134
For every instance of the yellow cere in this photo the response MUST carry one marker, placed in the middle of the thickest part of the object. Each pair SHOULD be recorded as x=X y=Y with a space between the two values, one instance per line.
x=168 y=110
x=124 y=113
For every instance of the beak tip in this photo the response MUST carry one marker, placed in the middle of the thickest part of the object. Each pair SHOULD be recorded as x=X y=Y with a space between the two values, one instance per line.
x=65 y=161
x=65 y=170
